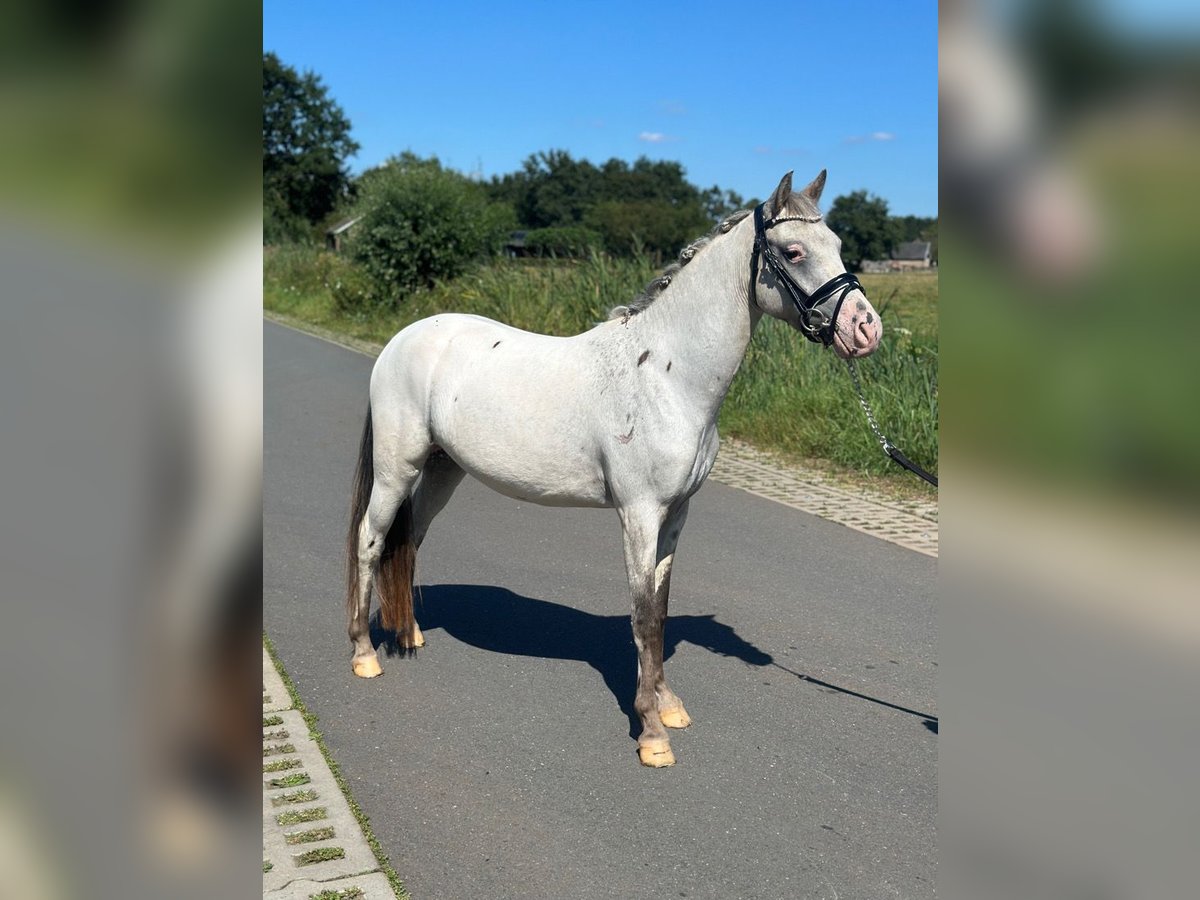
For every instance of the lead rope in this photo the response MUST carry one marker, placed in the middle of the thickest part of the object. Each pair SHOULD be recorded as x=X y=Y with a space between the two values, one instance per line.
x=888 y=447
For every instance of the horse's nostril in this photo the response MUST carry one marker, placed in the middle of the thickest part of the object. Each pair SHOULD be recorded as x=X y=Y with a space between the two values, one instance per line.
x=864 y=334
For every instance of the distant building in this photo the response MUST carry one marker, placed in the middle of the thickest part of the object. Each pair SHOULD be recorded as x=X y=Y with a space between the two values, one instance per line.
x=904 y=257
x=911 y=255
x=515 y=246
x=333 y=237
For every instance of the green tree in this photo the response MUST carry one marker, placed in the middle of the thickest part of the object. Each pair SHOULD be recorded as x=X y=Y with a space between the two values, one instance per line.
x=551 y=190
x=306 y=139
x=632 y=226
x=648 y=204
x=862 y=222
x=912 y=228
x=647 y=181
x=420 y=223
x=566 y=240
x=718 y=203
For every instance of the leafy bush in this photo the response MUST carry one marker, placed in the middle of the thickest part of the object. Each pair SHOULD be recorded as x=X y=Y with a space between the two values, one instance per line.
x=348 y=284
x=421 y=223
x=299 y=271
x=569 y=240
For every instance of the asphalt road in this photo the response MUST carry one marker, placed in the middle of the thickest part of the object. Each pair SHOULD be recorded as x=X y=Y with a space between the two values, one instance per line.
x=498 y=762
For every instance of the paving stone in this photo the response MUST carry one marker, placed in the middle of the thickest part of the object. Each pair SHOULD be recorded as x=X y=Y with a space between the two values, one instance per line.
x=288 y=878
x=274 y=689
x=374 y=887
x=909 y=523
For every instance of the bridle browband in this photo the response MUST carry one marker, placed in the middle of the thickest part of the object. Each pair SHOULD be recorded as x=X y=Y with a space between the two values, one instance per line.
x=817 y=322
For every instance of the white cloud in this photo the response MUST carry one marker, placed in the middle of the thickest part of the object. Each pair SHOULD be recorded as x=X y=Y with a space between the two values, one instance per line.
x=873 y=136
x=652 y=137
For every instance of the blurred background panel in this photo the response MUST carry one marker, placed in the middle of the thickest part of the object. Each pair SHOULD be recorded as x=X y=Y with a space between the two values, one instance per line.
x=1070 y=168
x=130 y=392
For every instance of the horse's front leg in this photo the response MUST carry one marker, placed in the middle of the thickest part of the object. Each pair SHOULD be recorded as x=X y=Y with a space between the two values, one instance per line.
x=642 y=527
x=670 y=707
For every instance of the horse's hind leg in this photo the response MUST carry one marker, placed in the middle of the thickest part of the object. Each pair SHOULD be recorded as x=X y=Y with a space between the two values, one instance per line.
x=376 y=534
x=439 y=477
x=382 y=552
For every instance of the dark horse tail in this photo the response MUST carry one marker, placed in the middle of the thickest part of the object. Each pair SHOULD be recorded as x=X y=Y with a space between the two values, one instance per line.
x=393 y=580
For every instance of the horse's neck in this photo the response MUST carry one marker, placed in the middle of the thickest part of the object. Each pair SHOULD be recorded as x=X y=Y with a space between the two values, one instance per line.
x=703 y=322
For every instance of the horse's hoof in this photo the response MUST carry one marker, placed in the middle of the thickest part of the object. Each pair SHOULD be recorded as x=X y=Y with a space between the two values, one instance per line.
x=414 y=640
x=367 y=666
x=675 y=717
x=656 y=754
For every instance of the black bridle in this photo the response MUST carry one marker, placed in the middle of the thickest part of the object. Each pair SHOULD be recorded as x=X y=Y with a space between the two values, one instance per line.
x=818 y=321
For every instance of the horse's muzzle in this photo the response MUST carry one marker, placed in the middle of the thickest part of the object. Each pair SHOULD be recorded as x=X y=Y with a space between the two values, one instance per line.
x=858 y=329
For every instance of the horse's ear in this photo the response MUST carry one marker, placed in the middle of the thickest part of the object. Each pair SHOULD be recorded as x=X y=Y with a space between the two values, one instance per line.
x=779 y=200
x=813 y=191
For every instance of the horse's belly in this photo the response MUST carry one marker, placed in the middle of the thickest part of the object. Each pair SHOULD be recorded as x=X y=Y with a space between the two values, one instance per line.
x=517 y=469
x=543 y=491
x=538 y=453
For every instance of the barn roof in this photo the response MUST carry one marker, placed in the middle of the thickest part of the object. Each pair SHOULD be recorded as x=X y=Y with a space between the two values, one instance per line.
x=911 y=250
x=343 y=226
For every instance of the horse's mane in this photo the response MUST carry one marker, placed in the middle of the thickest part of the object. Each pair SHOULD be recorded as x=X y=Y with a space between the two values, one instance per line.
x=798 y=204
x=654 y=289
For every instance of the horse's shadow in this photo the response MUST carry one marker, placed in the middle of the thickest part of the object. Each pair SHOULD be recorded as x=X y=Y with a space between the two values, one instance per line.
x=495 y=619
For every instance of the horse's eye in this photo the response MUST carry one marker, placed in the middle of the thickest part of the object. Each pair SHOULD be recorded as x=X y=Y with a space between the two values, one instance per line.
x=794 y=253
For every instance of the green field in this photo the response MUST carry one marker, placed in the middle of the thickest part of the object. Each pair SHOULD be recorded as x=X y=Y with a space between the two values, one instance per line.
x=790 y=396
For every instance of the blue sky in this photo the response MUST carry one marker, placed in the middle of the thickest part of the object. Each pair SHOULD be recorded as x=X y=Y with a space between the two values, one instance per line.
x=739 y=93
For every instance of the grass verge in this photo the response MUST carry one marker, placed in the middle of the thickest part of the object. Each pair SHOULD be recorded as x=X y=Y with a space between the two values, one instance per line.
x=282 y=765
x=344 y=894
x=305 y=796
x=320 y=854
x=298 y=816
x=308 y=837
x=364 y=823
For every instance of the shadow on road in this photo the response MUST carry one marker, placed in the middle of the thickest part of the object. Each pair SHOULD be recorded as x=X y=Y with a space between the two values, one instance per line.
x=930 y=720
x=495 y=619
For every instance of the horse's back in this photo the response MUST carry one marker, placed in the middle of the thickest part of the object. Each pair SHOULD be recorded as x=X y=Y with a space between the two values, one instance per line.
x=517 y=410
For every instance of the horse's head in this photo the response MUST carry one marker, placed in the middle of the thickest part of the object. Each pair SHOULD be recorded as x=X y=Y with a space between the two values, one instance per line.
x=798 y=275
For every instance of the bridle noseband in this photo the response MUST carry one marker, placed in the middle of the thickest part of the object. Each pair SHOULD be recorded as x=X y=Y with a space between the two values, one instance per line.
x=817 y=322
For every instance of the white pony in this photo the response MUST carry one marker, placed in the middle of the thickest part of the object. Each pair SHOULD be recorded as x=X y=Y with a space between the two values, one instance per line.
x=621 y=416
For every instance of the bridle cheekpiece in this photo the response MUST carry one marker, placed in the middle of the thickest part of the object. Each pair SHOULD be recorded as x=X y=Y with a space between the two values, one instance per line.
x=817 y=321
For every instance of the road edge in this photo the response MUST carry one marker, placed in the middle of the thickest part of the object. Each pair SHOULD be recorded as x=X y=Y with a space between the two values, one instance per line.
x=363 y=866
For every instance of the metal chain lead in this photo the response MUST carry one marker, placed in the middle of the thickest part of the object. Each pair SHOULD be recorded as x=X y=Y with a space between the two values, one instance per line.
x=862 y=401
x=890 y=449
